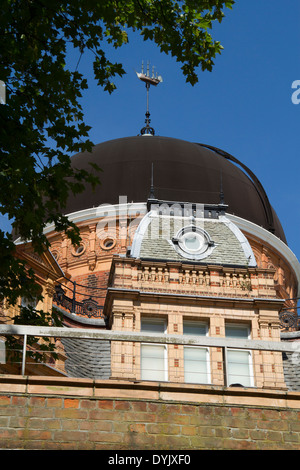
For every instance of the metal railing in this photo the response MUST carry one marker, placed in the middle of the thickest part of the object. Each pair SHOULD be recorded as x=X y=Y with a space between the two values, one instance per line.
x=87 y=306
x=23 y=332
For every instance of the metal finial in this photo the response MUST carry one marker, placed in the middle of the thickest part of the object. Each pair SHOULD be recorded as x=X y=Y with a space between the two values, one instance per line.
x=148 y=130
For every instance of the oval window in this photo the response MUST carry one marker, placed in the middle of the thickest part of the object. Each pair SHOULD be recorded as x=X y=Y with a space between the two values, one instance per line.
x=78 y=250
x=108 y=243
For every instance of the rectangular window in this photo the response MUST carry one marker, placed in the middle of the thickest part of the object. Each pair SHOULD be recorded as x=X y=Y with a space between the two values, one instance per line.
x=153 y=356
x=153 y=325
x=196 y=358
x=195 y=328
x=239 y=361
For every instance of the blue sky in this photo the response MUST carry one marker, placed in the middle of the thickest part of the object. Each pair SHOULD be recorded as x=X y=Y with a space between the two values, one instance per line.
x=243 y=106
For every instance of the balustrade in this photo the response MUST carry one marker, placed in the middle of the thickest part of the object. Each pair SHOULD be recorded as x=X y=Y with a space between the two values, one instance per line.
x=191 y=278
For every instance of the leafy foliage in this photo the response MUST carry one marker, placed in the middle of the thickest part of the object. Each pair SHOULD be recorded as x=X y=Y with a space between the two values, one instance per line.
x=42 y=122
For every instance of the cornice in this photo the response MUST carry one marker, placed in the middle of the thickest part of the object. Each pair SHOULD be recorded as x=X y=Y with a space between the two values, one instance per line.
x=244 y=225
x=270 y=239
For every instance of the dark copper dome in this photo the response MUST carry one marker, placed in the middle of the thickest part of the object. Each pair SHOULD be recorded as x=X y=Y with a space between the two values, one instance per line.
x=182 y=171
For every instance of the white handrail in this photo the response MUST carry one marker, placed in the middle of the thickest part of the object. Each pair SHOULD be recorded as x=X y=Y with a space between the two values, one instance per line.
x=136 y=336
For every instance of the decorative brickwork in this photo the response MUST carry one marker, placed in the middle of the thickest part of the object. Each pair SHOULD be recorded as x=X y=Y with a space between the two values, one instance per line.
x=187 y=279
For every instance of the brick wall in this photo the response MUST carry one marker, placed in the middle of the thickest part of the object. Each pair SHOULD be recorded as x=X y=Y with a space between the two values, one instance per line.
x=73 y=419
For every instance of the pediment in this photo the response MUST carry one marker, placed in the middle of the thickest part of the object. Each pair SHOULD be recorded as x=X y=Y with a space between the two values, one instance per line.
x=44 y=262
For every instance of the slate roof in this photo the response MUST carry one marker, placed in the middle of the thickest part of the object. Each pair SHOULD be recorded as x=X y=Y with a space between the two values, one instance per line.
x=87 y=358
x=291 y=361
x=231 y=248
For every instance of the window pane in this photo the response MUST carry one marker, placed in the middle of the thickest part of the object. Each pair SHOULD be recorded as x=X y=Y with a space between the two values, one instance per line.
x=239 y=367
x=153 y=362
x=153 y=326
x=194 y=328
x=195 y=365
x=232 y=331
x=192 y=242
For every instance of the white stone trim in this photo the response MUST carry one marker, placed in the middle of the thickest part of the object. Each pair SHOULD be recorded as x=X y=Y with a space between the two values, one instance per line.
x=140 y=233
x=242 y=224
x=100 y=211
x=241 y=238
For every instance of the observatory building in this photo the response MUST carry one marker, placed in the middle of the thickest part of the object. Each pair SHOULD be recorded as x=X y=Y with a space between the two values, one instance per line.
x=179 y=238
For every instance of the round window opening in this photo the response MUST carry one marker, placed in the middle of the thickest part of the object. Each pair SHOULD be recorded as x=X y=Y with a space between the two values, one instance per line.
x=192 y=242
x=108 y=243
x=78 y=250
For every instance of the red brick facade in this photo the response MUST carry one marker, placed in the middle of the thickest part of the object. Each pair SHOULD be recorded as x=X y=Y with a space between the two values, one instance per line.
x=86 y=415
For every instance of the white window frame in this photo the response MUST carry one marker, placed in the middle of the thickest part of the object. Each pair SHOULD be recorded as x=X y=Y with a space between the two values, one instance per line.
x=162 y=346
x=207 y=354
x=250 y=358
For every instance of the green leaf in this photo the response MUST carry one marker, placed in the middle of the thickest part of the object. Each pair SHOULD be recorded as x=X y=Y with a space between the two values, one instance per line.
x=42 y=123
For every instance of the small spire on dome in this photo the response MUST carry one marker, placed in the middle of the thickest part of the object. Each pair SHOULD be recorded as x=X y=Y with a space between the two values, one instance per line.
x=149 y=80
x=222 y=201
x=152 y=196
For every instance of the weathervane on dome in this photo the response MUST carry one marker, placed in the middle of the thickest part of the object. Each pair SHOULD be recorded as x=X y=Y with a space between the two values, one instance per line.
x=149 y=80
